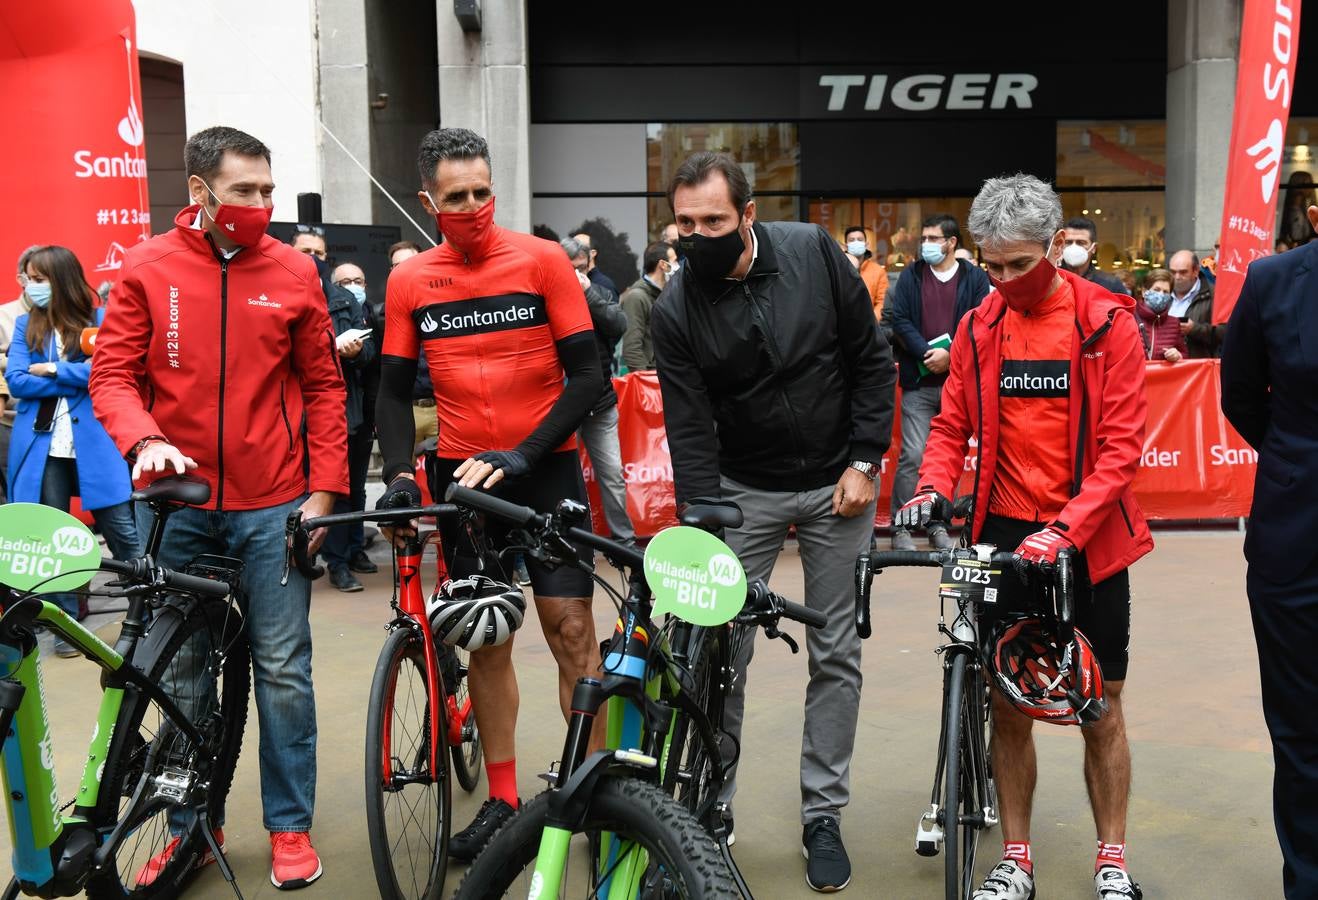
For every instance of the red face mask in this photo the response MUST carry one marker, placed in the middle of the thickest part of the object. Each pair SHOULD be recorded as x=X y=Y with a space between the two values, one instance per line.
x=243 y=225
x=1027 y=291
x=467 y=231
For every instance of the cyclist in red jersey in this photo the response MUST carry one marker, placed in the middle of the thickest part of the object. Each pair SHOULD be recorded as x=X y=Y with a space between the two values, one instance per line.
x=1048 y=376
x=505 y=330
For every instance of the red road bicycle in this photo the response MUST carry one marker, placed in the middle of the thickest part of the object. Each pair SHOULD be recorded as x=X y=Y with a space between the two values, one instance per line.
x=418 y=709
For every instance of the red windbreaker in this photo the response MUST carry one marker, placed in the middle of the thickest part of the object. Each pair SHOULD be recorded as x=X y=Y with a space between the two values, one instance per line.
x=224 y=358
x=1107 y=423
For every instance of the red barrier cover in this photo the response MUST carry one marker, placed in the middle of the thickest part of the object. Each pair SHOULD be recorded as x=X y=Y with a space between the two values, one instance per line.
x=1194 y=466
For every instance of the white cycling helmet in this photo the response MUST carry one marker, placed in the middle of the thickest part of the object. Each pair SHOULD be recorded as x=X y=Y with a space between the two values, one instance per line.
x=475 y=612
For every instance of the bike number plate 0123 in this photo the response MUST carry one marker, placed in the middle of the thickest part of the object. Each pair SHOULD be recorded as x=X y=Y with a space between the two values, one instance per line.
x=970 y=580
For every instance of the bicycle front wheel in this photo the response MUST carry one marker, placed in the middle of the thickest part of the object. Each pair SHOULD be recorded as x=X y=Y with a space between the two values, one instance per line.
x=196 y=652
x=407 y=804
x=965 y=785
x=689 y=768
x=683 y=861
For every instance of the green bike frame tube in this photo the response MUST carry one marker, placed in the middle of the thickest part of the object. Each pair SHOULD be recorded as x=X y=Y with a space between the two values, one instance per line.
x=73 y=632
x=90 y=789
x=550 y=863
x=28 y=773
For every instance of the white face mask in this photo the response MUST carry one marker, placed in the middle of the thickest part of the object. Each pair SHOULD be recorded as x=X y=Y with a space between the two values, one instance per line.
x=856 y=248
x=1075 y=256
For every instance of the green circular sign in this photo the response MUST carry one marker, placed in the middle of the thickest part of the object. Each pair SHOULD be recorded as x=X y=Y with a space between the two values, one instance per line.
x=40 y=543
x=694 y=576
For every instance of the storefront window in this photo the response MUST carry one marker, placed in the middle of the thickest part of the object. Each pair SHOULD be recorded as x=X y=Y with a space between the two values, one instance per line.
x=1111 y=154
x=768 y=152
x=1298 y=165
x=894 y=225
x=1130 y=226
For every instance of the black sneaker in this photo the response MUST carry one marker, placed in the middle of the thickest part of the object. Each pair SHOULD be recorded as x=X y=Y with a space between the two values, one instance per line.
x=345 y=580
x=467 y=843
x=360 y=562
x=827 y=867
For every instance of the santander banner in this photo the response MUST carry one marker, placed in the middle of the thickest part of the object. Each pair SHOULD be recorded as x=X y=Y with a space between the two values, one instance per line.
x=1265 y=78
x=1194 y=466
x=73 y=101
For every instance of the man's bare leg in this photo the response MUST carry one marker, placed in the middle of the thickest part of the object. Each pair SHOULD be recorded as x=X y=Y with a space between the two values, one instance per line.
x=1107 y=768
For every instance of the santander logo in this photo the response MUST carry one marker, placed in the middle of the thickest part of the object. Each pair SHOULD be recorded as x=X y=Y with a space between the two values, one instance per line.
x=1267 y=159
x=125 y=165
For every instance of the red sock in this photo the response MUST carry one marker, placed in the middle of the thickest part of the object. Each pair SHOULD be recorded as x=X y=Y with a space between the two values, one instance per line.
x=503 y=781
x=1110 y=855
x=1019 y=853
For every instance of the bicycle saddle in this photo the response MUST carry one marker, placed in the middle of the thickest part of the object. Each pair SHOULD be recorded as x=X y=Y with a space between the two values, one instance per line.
x=711 y=514
x=188 y=490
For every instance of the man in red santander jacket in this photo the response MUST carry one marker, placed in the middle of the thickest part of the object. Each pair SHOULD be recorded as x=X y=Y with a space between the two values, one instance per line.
x=216 y=348
x=1048 y=377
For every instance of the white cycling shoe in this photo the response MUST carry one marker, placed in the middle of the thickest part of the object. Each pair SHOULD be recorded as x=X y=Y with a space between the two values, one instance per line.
x=1113 y=883
x=1008 y=881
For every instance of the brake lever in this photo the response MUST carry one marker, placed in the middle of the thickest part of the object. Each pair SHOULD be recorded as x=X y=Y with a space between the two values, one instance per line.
x=773 y=633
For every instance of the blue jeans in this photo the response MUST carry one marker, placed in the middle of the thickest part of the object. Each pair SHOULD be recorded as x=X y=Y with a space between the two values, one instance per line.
x=280 y=636
x=58 y=485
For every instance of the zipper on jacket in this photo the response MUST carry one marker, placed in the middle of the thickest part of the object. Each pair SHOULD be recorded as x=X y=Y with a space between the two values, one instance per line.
x=979 y=455
x=224 y=335
x=283 y=412
x=1121 y=505
x=772 y=346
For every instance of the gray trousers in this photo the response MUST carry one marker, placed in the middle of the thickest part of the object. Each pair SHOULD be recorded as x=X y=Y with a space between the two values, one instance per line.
x=599 y=432
x=829 y=546
x=919 y=406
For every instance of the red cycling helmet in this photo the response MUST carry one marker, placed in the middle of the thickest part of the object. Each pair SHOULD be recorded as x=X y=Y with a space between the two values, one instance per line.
x=1062 y=686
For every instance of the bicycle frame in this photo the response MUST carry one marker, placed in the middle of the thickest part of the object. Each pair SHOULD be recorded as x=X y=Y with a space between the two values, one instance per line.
x=39 y=835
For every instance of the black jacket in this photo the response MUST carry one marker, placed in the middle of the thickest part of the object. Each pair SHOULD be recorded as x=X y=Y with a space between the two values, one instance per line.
x=908 y=313
x=610 y=322
x=1110 y=283
x=1270 y=394
x=1205 y=339
x=777 y=381
x=345 y=312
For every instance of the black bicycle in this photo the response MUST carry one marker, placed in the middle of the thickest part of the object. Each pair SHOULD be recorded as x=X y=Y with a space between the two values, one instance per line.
x=964 y=800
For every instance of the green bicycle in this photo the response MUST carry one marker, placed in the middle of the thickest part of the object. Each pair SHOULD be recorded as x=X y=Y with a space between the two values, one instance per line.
x=642 y=841
x=168 y=733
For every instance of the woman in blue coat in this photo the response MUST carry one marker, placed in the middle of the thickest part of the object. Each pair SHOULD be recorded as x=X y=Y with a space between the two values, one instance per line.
x=58 y=448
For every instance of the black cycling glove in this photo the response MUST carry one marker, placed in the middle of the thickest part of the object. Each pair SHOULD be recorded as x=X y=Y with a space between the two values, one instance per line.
x=513 y=463
x=403 y=492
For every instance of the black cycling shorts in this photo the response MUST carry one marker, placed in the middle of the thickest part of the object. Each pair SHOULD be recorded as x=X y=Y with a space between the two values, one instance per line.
x=1102 y=611
x=554 y=478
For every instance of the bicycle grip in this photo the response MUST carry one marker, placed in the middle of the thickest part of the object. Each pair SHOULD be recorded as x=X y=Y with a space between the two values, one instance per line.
x=193 y=585
x=479 y=500
x=864 y=579
x=804 y=614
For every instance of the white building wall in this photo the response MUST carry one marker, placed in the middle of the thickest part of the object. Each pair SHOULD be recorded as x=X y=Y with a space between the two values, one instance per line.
x=249 y=64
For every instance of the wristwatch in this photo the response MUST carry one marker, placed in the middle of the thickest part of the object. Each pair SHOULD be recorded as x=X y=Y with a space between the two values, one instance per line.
x=868 y=469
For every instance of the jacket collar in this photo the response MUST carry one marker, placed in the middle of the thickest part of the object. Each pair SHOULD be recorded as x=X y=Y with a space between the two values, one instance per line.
x=766 y=263
x=1095 y=306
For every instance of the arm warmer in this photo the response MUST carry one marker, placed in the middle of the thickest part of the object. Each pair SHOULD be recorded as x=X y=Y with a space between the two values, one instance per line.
x=394 y=423
x=585 y=381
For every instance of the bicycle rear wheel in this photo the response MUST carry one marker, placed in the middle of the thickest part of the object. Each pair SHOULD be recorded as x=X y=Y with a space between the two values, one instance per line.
x=464 y=737
x=407 y=804
x=197 y=652
x=689 y=771
x=683 y=860
x=965 y=784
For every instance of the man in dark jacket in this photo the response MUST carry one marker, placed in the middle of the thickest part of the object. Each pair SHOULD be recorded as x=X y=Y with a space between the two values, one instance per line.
x=599 y=430
x=778 y=396
x=1192 y=303
x=1270 y=395
x=659 y=265
x=1078 y=254
x=927 y=303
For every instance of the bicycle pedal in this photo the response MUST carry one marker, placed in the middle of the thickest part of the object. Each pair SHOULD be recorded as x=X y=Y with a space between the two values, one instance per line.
x=928 y=833
x=550 y=777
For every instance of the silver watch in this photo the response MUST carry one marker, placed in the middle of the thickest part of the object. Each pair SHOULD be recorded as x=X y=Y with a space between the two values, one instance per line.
x=868 y=469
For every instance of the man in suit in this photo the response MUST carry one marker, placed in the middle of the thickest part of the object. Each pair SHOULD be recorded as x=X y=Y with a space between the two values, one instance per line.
x=1270 y=394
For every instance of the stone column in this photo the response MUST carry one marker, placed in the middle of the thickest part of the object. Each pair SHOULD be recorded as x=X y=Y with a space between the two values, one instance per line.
x=1203 y=44
x=343 y=102
x=483 y=86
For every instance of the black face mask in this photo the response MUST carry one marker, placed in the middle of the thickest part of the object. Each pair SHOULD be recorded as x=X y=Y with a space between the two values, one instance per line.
x=712 y=258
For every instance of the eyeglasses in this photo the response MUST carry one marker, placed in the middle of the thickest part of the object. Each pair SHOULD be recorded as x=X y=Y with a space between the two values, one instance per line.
x=932 y=238
x=344 y=282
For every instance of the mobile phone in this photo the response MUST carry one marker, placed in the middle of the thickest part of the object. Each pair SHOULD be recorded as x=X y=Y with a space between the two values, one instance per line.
x=45 y=420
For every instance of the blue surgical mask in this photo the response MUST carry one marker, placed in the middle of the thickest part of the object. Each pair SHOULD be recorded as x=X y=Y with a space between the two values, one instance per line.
x=932 y=253
x=357 y=291
x=38 y=292
x=856 y=248
x=1158 y=301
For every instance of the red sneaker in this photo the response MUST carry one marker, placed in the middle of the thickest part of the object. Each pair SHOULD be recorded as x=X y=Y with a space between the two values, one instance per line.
x=147 y=875
x=294 y=863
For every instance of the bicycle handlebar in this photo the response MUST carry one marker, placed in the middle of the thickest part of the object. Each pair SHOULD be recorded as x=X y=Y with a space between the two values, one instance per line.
x=868 y=564
x=144 y=571
x=438 y=510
